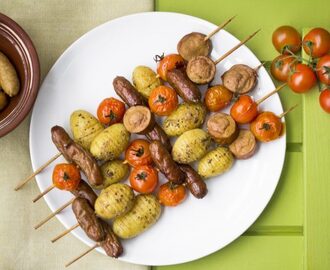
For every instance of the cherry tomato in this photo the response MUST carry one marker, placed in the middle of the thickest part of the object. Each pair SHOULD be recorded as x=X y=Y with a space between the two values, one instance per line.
x=110 y=111
x=323 y=69
x=169 y=62
x=66 y=176
x=171 y=194
x=163 y=100
x=280 y=67
x=302 y=79
x=286 y=37
x=266 y=127
x=244 y=110
x=144 y=179
x=325 y=100
x=217 y=97
x=317 y=42
x=138 y=153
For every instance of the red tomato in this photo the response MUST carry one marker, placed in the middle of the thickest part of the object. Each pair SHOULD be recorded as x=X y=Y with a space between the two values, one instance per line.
x=317 y=42
x=163 y=100
x=110 y=111
x=244 y=110
x=144 y=179
x=169 y=62
x=138 y=153
x=280 y=67
x=286 y=37
x=217 y=98
x=323 y=69
x=302 y=79
x=66 y=176
x=325 y=100
x=171 y=195
x=266 y=127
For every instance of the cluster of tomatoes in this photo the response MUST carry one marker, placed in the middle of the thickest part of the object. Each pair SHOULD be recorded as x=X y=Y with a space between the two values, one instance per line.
x=303 y=74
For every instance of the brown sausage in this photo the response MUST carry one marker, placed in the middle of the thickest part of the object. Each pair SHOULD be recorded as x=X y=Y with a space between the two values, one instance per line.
x=165 y=163
x=73 y=152
x=85 y=191
x=158 y=134
x=111 y=243
x=186 y=89
x=127 y=92
x=87 y=219
x=195 y=183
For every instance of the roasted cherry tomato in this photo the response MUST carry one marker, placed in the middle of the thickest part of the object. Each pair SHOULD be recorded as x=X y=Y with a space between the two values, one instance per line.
x=163 y=100
x=169 y=62
x=144 y=179
x=266 y=127
x=138 y=153
x=171 y=194
x=323 y=69
x=317 y=42
x=110 y=111
x=66 y=176
x=325 y=100
x=286 y=37
x=280 y=67
x=244 y=110
x=302 y=79
x=217 y=97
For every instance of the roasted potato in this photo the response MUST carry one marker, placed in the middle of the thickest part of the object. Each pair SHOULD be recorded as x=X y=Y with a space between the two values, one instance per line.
x=114 y=201
x=8 y=77
x=191 y=146
x=184 y=118
x=144 y=214
x=110 y=143
x=215 y=162
x=3 y=100
x=84 y=127
x=145 y=80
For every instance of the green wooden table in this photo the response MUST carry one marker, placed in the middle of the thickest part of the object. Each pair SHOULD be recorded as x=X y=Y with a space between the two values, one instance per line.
x=294 y=231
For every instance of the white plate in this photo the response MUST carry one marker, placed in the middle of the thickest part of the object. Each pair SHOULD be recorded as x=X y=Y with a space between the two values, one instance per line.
x=83 y=76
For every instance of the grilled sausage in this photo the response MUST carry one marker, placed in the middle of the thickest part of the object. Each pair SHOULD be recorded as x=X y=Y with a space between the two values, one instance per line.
x=73 y=152
x=87 y=219
x=165 y=163
x=111 y=243
x=127 y=92
x=158 y=134
x=195 y=183
x=186 y=89
x=85 y=191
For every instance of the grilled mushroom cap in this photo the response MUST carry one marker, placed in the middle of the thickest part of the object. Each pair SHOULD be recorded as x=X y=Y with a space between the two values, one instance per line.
x=138 y=119
x=201 y=70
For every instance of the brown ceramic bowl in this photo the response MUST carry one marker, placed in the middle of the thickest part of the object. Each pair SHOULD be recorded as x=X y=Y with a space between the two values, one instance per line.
x=18 y=47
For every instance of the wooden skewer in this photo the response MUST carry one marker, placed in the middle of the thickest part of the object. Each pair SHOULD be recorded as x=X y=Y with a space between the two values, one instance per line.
x=53 y=214
x=22 y=183
x=43 y=193
x=221 y=26
x=236 y=47
x=81 y=255
x=270 y=93
x=65 y=233
x=288 y=110
x=258 y=67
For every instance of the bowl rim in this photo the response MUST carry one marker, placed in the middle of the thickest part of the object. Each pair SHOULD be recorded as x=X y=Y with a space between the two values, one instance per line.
x=24 y=106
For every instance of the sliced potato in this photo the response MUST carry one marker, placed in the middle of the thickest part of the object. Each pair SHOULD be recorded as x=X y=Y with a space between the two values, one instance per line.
x=191 y=146
x=8 y=77
x=145 y=80
x=114 y=201
x=184 y=118
x=145 y=212
x=84 y=127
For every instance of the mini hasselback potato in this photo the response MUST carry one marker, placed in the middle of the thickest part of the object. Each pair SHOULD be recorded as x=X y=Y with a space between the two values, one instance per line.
x=114 y=201
x=191 y=146
x=8 y=77
x=145 y=212
x=215 y=162
x=145 y=80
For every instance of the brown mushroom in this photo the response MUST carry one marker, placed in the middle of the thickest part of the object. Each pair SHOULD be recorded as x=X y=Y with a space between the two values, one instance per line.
x=201 y=70
x=194 y=44
x=240 y=79
x=222 y=128
x=244 y=146
x=138 y=119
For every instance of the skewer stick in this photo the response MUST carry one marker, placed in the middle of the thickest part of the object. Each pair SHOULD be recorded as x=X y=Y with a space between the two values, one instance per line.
x=221 y=26
x=236 y=47
x=81 y=255
x=288 y=110
x=43 y=193
x=65 y=233
x=22 y=183
x=53 y=214
x=270 y=93
x=258 y=67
